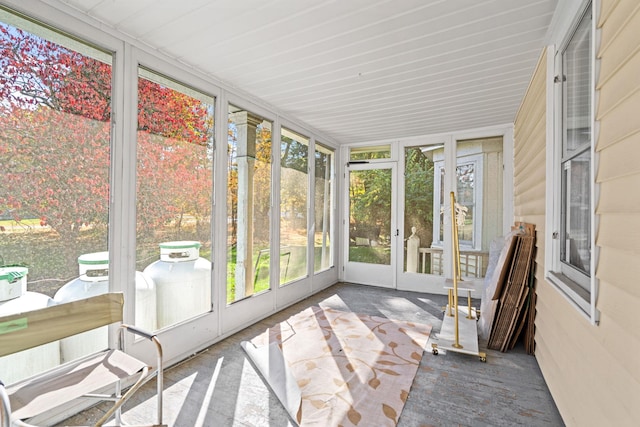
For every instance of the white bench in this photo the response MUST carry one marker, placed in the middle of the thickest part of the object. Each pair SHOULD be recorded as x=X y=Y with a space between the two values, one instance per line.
x=82 y=378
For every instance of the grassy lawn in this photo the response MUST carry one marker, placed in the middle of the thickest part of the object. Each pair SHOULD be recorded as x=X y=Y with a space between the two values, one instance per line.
x=292 y=265
x=370 y=254
x=22 y=225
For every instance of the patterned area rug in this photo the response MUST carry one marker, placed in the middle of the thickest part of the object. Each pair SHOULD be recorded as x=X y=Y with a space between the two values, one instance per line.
x=350 y=369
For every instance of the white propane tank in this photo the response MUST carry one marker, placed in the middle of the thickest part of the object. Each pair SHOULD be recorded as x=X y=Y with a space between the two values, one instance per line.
x=94 y=280
x=13 y=282
x=146 y=312
x=14 y=298
x=183 y=282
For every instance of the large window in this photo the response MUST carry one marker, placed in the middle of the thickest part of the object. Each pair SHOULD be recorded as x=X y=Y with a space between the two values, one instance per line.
x=572 y=252
x=323 y=189
x=55 y=159
x=174 y=200
x=248 y=204
x=575 y=244
x=294 y=188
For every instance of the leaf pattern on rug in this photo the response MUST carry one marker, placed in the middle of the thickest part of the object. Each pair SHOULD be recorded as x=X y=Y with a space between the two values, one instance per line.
x=374 y=383
x=389 y=412
x=351 y=369
x=316 y=403
x=354 y=416
x=303 y=382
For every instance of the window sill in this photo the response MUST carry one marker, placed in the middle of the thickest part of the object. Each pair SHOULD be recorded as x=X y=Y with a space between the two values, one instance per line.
x=575 y=294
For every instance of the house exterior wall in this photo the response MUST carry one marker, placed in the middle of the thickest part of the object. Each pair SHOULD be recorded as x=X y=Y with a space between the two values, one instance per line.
x=593 y=371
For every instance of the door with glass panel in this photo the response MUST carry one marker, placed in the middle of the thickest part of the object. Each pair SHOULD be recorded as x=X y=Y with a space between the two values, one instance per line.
x=421 y=259
x=371 y=233
x=424 y=225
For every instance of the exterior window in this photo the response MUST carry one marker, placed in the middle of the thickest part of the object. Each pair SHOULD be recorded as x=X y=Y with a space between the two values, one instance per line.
x=370 y=153
x=248 y=204
x=324 y=193
x=294 y=187
x=575 y=224
x=55 y=158
x=479 y=186
x=174 y=199
x=468 y=197
x=571 y=253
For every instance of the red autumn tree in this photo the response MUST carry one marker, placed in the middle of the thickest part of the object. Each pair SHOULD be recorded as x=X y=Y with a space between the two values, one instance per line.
x=55 y=120
x=175 y=156
x=54 y=133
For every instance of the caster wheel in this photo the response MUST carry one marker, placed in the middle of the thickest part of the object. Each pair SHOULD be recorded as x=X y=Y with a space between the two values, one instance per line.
x=434 y=351
x=483 y=359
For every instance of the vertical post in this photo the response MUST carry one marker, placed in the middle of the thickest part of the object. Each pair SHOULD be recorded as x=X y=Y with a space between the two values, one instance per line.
x=246 y=125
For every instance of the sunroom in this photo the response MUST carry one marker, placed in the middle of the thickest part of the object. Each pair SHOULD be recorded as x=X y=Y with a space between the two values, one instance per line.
x=218 y=162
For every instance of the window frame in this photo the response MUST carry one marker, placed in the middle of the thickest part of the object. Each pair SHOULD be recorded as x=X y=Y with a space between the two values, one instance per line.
x=321 y=147
x=302 y=139
x=476 y=160
x=578 y=289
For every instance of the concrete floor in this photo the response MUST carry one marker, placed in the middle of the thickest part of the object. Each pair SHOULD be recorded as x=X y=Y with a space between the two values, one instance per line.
x=219 y=387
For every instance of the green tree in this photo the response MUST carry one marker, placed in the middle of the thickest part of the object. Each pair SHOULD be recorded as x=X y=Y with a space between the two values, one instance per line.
x=419 y=187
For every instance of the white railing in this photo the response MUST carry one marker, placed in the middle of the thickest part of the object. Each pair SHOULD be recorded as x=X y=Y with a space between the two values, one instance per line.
x=472 y=263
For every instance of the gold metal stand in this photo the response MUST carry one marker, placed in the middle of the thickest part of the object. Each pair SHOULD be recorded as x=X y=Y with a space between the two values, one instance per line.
x=458 y=334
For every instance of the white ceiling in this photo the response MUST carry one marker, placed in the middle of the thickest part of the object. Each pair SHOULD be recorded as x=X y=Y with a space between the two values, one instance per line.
x=355 y=70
